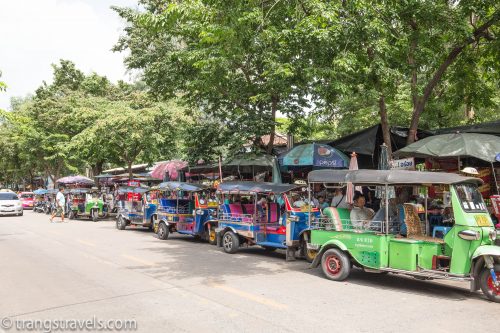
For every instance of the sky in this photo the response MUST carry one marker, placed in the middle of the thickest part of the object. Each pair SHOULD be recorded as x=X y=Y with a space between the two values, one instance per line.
x=37 y=33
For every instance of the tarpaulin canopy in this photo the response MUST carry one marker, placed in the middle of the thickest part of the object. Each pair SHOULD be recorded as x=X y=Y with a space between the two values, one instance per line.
x=481 y=146
x=492 y=127
x=248 y=163
x=254 y=187
x=315 y=155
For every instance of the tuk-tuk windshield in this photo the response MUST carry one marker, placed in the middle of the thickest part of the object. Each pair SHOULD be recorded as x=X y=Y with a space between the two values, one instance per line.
x=470 y=198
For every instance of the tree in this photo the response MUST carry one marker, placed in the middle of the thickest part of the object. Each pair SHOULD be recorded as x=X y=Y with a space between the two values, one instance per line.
x=235 y=61
x=128 y=132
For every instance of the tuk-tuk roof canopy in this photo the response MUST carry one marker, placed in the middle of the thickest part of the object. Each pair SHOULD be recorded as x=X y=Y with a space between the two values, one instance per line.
x=254 y=187
x=389 y=177
x=181 y=186
x=79 y=190
x=133 y=189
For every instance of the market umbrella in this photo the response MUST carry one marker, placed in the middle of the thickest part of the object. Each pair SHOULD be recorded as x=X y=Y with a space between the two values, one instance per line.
x=481 y=146
x=75 y=180
x=383 y=164
x=253 y=163
x=172 y=167
x=353 y=165
x=315 y=155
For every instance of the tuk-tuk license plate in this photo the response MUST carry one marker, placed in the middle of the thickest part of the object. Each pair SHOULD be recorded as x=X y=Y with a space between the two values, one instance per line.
x=482 y=221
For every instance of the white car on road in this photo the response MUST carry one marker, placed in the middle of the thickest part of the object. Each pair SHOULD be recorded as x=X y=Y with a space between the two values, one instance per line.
x=10 y=204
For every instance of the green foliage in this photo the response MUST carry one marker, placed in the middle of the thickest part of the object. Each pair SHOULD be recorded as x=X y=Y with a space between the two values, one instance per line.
x=83 y=122
x=235 y=61
x=3 y=86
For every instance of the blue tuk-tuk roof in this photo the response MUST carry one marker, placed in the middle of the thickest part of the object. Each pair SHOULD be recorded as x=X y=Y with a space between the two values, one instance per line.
x=255 y=187
x=40 y=192
x=181 y=186
x=133 y=189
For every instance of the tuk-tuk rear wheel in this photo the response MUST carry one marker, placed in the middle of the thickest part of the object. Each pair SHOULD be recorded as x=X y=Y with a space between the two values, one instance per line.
x=335 y=264
x=120 y=223
x=230 y=242
x=487 y=285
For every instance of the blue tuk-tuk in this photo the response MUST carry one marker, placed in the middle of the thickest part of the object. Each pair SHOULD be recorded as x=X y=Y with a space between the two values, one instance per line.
x=189 y=209
x=273 y=216
x=134 y=208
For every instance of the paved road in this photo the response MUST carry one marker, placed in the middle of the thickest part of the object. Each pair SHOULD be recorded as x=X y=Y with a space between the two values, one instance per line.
x=80 y=269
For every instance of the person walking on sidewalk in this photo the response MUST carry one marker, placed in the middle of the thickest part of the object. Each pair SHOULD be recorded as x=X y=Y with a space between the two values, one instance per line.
x=60 y=203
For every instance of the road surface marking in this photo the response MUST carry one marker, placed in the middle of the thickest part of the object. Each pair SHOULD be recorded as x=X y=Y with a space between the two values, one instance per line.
x=252 y=297
x=85 y=243
x=139 y=260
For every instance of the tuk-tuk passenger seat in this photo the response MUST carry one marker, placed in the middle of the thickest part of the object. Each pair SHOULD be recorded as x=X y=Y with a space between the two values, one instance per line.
x=414 y=226
x=273 y=212
x=339 y=217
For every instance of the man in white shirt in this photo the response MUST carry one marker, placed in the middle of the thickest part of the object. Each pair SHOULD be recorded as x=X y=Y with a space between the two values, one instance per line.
x=338 y=200
x=360 y=215
x=60 y=203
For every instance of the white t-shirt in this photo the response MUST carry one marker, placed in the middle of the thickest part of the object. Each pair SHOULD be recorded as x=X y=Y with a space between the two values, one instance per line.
x=338 y=201
x=60 y=199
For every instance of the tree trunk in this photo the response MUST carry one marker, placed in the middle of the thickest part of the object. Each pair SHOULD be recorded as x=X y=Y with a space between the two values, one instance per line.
x=274 y=106
x=129 y=169
x=384 y=122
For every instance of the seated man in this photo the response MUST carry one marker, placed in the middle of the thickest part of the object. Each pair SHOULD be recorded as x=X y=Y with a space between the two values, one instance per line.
x=360 y=215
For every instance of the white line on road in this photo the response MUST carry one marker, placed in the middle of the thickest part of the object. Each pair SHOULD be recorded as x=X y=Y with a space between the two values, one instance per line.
x=139 y=260
x=252 y=297
x=81 y=241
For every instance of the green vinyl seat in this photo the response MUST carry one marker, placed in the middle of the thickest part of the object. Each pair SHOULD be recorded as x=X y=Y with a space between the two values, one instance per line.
x=340 y=218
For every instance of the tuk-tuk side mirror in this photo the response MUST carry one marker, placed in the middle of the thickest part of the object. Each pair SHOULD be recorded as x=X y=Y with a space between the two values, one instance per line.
x=469 y=235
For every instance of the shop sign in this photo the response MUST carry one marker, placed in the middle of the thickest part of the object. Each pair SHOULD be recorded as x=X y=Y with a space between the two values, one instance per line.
x=403 y=164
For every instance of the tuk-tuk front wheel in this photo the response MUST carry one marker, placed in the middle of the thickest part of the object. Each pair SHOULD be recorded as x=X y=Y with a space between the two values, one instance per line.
x=120 y=223
x=335 y=264
x=163 y=231
x=212 y=236
x=230 y=242
x=71 y=215
x=487 y=284
x=309 y=255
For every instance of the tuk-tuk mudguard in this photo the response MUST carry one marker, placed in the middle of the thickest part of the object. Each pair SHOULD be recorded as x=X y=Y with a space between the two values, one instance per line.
x=335 y=243
x=487 y=250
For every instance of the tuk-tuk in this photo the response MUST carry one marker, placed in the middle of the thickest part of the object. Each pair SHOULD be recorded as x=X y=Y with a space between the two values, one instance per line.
x=278 y=220
x=85 y=202
x=188 y=209
x=50 y=201
x=39 y=206
x=466 y=252
x=134 y=208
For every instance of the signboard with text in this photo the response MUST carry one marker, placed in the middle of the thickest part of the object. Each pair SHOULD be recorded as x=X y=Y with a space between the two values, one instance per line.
x=403 y=164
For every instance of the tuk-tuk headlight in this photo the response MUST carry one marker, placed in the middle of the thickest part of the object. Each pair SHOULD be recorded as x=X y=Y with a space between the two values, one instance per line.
x=493 y=235
x=294 y=218
x=199 y=212
x=469 y=235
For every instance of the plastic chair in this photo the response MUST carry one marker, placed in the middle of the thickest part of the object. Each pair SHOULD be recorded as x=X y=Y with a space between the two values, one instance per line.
x=440 y=232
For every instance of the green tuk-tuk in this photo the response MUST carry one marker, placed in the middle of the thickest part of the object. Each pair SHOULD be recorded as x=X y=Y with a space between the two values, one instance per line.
x=86 y=203
x=466 y=252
